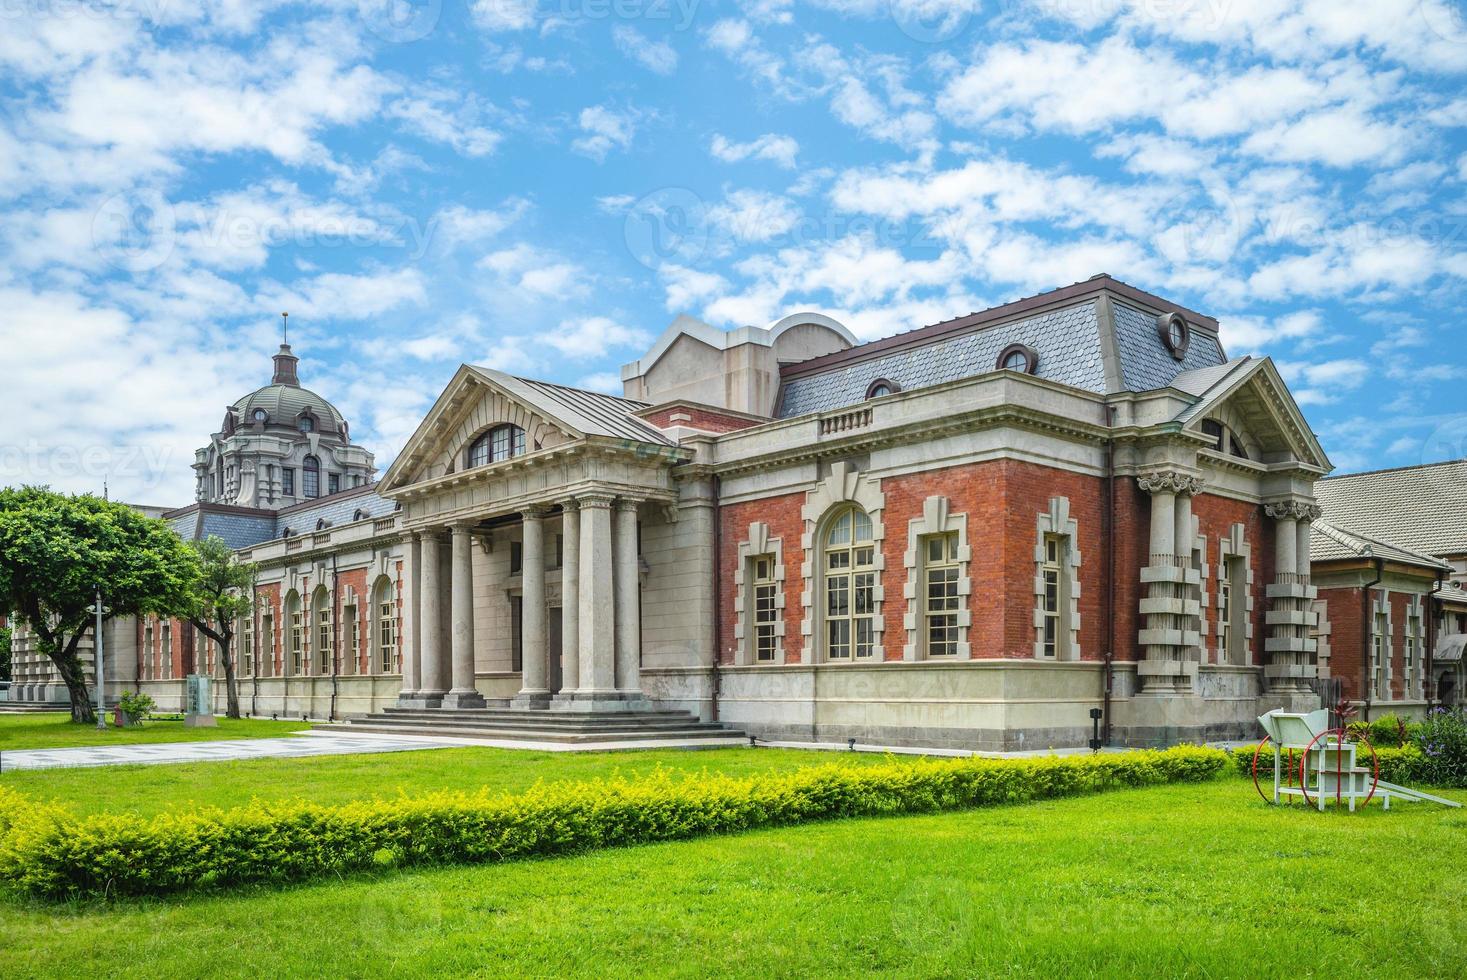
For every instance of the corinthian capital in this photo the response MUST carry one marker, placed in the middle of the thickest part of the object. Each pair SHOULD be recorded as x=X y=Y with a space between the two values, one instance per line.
x=1169 y=481
x=1293 y=510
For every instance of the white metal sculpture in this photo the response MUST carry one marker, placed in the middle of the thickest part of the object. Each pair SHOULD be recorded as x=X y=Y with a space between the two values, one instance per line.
x=1330 y=764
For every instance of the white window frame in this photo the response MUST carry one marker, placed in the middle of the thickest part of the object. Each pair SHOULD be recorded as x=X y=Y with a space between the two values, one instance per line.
x=1234 y=565
x=757 y=544
x=936 y=519
x=843 y=483
x=841 y=562
x=1057 y=524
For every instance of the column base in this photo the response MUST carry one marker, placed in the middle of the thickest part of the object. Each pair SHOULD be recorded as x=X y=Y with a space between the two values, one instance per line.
x=534 y=700
x=601 y=701
x=420 y=699
x=463 y=699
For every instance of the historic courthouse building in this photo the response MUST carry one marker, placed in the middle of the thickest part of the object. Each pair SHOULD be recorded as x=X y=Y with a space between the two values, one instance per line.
x=984 y=533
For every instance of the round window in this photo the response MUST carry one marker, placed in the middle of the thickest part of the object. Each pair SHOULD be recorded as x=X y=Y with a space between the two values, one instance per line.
x=260 y=415
x=1175 y=334
x=880 y=390
x=1018 y=357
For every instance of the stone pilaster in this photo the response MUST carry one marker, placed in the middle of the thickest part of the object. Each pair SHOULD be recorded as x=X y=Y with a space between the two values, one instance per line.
x=1169 y=639
x=1290 y=647
x=570 y=602
x=461 y=615
x=628 y=600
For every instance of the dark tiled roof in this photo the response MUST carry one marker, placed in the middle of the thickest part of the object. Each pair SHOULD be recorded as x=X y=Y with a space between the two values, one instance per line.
x=1146 y=364
x=237 y=530
x=336 y=509
x=588 y=412
x=1331 y=543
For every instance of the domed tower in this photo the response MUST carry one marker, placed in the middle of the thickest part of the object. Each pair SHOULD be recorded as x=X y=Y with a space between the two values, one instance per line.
x=280 y=445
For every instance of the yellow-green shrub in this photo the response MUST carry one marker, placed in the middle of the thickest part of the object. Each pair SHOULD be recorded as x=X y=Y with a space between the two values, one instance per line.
x=50 y=851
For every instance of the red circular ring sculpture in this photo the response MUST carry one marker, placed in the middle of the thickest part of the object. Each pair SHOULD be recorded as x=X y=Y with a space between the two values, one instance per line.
x=1341 y=734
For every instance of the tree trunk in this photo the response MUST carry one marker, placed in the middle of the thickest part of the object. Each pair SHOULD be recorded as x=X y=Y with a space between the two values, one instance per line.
x=231 y=684
x=83 y=712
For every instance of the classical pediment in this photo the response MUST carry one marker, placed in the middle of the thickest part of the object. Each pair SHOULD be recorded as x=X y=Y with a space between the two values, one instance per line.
x=1254 y=404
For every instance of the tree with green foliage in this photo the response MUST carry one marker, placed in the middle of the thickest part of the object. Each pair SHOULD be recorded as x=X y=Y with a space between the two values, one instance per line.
x=218 y=597
x=4 y=653
x=56 y=550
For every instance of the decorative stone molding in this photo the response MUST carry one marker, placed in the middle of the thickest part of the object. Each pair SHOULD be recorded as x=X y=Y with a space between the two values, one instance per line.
x=936 y=519
x=1323 y=629
x=844 y=484
x=757 y=543
x=1235 y=545
x=1198 y=555
x=1416 y=612
x=1057 y=520
x=1380 y=681
x=1293 y=510
x=1169 y=481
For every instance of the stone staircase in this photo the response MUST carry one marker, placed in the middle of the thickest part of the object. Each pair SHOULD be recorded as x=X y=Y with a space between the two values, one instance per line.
x=580 y=729
x=30 y=707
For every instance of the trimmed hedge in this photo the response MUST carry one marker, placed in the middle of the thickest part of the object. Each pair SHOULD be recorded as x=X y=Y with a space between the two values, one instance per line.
x=1397 y=764
x=47 y=850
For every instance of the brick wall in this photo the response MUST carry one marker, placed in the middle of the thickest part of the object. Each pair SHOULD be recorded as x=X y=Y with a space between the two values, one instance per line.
x=782 y=514
x=1215 y=519
x=697 y=418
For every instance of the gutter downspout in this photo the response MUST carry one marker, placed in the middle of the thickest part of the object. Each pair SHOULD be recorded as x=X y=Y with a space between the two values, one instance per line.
x=716 y=690
x=1367 y=629
x=1108 y=674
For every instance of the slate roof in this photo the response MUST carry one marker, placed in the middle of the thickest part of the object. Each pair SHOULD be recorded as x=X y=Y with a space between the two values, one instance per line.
x=1067 y=341
x=1146 y=364
x=588 y=412
x=243 y=527
x=1418 y=507
x=339 y=508
x=1329 y=542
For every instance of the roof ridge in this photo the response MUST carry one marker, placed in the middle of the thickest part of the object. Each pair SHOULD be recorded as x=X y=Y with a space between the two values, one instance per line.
x=1396 y=469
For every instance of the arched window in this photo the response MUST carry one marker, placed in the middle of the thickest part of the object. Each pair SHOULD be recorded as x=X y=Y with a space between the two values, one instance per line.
x=306 y=424
x=311 y=483
x=849 y=564
x=499 y=443
x=384 y=612
x=323 y=647
x=296 y=637
x=882 y=387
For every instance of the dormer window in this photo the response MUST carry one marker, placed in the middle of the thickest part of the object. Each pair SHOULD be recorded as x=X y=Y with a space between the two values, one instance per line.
x=260 y=415
x=1175 y=334
x=499 y=443
x=881 y=387
x=306 y=424
x=1018 y=357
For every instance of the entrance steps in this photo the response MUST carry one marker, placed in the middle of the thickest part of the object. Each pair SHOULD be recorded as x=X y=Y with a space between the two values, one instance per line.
x=30 y=707
x=550 y=727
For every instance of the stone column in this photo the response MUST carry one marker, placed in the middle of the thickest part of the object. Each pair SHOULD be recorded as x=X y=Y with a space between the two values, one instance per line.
x=597 y=648
x=432 y=667
x=533 y=692
x=461 y=613
x=570 y=602
x=1170 y=643
x=410 y=641
x=1289 y=648
x=628 y=598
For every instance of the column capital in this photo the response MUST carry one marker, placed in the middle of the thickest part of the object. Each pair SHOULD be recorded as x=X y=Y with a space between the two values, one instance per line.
x=570 y=503
x=462 y=527
x=625 y=504
x=1169 y=481
x=597 y=500
x=1293 y=509
x=536 y=512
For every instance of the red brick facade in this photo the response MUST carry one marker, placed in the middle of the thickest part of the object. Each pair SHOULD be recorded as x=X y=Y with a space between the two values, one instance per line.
x=1002 y=501
x=707 y=420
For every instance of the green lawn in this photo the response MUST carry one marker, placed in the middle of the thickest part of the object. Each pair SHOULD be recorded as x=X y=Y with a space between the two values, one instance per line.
x=1199 y=880
x=54 y=730
x=336 y=779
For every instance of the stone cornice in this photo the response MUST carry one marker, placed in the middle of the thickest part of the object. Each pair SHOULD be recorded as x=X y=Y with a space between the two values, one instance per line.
x=1293 y=509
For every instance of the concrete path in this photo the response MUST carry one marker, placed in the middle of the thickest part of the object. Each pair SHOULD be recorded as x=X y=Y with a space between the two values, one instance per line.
x=289 y=747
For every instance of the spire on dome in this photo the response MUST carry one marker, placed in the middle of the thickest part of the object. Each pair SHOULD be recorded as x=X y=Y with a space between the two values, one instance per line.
x=285 y=368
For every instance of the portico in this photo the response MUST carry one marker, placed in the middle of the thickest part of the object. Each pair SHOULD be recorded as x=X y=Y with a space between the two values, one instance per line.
x=525 y=585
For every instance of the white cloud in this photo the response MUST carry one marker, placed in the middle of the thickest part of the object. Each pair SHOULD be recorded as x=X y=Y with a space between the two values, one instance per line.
x=335 y=296
x=655 y=56
x=606 y=129
x=594 y=336
x=1246 y=334
x=771 y=146
x=504 y=15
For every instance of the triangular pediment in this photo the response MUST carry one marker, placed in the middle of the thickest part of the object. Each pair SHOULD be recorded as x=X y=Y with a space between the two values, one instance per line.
x=473 y=403
x=1254 y=403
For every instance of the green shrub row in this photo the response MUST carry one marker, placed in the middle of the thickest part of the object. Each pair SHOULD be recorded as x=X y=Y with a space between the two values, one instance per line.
x=48 y=850
x=1397 y=764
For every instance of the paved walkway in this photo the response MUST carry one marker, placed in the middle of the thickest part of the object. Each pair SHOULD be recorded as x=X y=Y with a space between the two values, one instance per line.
x=289 y=747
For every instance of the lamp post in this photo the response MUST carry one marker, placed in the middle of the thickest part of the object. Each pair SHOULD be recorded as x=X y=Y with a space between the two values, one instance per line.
x=99 y=610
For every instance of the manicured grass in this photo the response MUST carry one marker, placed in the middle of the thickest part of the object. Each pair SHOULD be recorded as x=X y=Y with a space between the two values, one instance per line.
x=1182 y=880
x=54 y=730
x=337 y=779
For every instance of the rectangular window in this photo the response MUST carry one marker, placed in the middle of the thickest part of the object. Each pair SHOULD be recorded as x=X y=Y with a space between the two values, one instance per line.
x=247 y=647
x=267 y=645
x=350 y=660
x=1380 y=657
x=516 y=633
x=387 y=636
x=312 y=482
x=287 y=482
x=516 y=557
x=765 y=610
x=1052 y=596
x=559 y=551
x=323 y=641
x=1408 y=656
x=167 y=650
x=1231 y=609
x=940 y=591
x=333 y=483
x=151 y=658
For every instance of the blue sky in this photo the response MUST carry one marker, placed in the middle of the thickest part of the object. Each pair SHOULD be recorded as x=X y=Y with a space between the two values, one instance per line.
x=542 y=185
